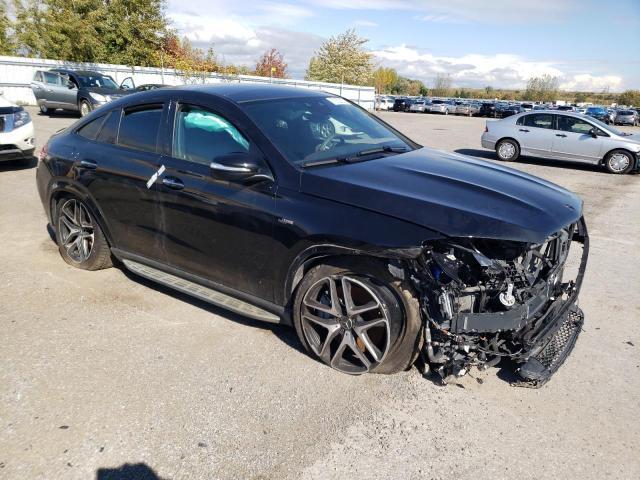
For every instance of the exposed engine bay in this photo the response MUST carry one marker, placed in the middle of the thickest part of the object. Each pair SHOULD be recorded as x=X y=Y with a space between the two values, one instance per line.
x=486 y=300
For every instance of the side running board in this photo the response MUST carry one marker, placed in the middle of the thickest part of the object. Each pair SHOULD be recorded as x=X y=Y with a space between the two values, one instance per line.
x=203 y=293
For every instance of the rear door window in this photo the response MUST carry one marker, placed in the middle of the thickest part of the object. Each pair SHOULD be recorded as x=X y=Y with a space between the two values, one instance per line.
x=91 y=129
x=52 y=78
x=538 y=120
x=139 y=127
x=109 y=130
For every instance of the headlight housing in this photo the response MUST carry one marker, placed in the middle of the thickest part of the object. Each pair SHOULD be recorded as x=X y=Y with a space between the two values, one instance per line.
x=99 y=97
x=21 y=118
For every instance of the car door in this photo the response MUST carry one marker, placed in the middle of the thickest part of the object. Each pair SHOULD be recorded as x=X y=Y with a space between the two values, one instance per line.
x=535 y=134
x=116 y=166
x=67 y=95
x=38 y=86
x=573 y=140
x=215 y=229
x=50 y=89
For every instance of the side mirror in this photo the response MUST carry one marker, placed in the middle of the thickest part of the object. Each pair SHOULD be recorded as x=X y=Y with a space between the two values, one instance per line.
x=71 y=85
x=238 y=167
x=593 y=132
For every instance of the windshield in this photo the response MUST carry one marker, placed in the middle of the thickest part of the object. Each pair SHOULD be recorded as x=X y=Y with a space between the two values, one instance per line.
x=437 y=102
x=97 y=80
x=314 y=129
x=596 y=110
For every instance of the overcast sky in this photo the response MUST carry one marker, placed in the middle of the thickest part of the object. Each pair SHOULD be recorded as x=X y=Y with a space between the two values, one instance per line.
x=589 y=44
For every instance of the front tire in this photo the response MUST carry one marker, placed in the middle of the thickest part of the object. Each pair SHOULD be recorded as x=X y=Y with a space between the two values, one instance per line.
x=618 y=162
x=80 y=239
x=508 y=150
x=356 y=318
x=85 y=108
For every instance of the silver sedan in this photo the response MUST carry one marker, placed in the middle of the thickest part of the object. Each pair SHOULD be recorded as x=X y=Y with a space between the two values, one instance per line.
x=563 y=136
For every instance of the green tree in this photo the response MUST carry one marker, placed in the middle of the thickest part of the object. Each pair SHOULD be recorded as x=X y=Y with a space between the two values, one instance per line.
x=7 y=46
x=441 y=86
x=131 y=30
x=384 y=79
x=342 y=59
x=541 y=89
x=271 y=64
x=110 y=31
x=630 y=97
x=60 y=29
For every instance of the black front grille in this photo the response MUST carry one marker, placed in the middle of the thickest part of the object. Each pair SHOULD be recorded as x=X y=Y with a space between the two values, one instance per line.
x=539 y=368
x=8 y=147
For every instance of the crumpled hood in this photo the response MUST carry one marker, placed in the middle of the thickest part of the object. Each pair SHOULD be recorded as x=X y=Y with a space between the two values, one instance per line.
x=453 y=194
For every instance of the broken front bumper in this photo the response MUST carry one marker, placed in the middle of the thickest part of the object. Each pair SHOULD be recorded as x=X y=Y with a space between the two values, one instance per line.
x=552 y=348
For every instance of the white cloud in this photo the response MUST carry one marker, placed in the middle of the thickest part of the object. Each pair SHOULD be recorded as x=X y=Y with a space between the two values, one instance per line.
x=491 y=11
x=586 y=82
x=499 y=70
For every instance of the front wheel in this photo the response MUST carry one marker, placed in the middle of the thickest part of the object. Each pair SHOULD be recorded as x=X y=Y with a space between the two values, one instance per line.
x=357 y=318
x=85 y=108
x=618 y=162
x=508 y=150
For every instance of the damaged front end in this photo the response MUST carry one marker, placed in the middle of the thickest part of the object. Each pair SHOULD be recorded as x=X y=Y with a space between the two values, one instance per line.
x=487 y=300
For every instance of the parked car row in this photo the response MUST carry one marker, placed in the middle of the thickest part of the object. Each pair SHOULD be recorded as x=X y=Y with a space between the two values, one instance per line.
x=501 y=109
x=79 y=90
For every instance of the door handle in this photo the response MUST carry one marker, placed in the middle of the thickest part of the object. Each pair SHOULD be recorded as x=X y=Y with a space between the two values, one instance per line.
x=560 y=135
x=90 y=164
x=524 y=130
x=173 y=183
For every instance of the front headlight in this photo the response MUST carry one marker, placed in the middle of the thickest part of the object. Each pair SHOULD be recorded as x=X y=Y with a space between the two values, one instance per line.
x=100 y=98
x=20 y=118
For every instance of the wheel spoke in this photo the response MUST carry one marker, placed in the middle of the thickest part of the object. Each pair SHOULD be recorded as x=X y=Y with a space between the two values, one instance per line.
x=327 y=323
x=350 y=306
x=325 y=351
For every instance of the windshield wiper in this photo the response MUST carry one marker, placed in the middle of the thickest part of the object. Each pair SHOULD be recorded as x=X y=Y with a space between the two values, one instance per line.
x=354 y=157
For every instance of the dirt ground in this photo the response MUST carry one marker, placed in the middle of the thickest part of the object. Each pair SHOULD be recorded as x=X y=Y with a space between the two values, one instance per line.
x=103 y=373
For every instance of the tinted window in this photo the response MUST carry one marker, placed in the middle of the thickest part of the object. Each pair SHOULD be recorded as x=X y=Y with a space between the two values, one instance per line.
x=91 y=129
x=109 y=129
x=539 y=120
x=572 y=124
x=200 y=136
x=97 y=80
x=139 y=128
x=51 y=78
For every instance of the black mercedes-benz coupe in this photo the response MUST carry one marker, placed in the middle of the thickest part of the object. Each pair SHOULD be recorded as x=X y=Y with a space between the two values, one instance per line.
x=295 y=206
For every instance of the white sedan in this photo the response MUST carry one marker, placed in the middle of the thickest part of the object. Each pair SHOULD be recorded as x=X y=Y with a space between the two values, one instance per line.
x=17 y=141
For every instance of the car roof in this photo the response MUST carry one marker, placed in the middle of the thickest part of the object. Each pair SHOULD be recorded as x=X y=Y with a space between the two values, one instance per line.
x=77 y=72
x=249 y=92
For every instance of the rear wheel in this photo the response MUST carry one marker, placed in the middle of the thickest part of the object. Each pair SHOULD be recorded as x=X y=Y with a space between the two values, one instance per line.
x=618 y=162
x=80 y=239
x=356 y=318
x=508 y=150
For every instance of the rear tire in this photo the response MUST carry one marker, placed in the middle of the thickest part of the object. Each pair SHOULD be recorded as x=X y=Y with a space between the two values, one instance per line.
x=508 y=150
x=80 y=239
x=378 y=332
x=618 y=162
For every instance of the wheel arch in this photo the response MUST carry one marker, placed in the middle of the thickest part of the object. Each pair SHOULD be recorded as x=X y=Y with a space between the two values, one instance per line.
x=318 y=254
x=61 y=189
x=634 y=156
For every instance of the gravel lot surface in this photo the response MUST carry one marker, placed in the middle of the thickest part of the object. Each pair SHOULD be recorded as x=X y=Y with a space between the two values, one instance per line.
x=104 y=373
